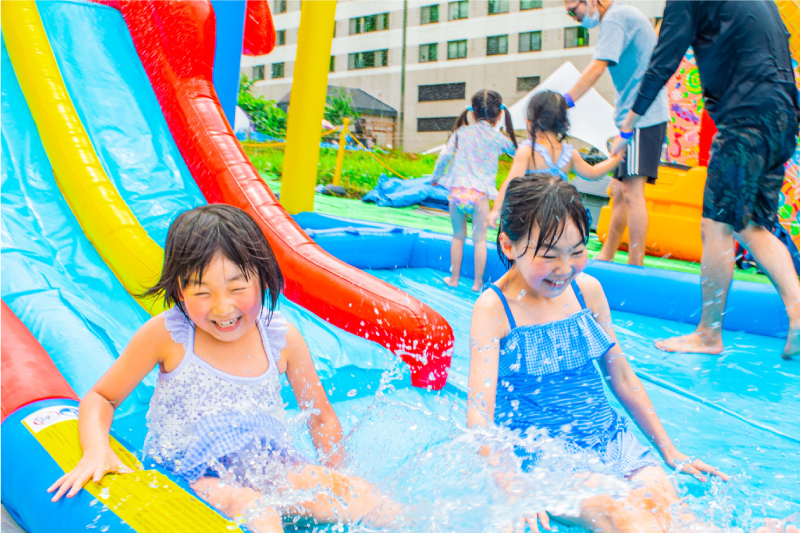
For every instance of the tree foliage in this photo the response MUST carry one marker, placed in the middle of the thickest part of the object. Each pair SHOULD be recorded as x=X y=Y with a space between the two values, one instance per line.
x=340 y=105
x=267 y=117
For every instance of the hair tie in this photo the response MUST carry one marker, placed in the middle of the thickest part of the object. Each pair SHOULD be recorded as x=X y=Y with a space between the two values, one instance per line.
x=503 y=106
x=469 y=108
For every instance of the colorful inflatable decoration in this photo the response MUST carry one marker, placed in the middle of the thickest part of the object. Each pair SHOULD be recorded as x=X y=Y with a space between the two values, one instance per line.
x=685 y=107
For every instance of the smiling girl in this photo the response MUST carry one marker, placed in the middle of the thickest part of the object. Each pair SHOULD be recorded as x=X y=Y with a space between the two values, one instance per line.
x=216 y=416
x=541 y=346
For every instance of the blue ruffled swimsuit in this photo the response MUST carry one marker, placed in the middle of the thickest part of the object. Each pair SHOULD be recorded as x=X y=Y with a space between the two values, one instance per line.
x=552 y=168
x=548 y=380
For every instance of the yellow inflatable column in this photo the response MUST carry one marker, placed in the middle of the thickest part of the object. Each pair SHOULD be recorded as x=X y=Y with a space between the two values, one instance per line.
x=106 y=219
x=307 y=105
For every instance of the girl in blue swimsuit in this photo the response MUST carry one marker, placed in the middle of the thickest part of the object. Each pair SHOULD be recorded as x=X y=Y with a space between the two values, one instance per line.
x=545 y=152
x=542 y=345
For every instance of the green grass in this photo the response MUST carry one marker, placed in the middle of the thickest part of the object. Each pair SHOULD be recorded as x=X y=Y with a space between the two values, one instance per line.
x=360 y=171
x=421 y=218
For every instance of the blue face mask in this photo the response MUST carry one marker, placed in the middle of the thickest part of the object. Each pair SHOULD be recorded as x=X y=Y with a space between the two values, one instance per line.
x=591 y=21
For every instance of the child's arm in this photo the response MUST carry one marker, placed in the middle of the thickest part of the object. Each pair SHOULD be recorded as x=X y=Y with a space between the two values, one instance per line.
x=444 y=159
x=326 y=432
x=485 y=332
x=96 y=413
x=589 y=172
x=629 y=389
x=518 y=168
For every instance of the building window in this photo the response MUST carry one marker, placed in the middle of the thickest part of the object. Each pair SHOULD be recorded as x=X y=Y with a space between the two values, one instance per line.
x=576 y=37
x=429 y=14
x=457 y=49
x=530 y=41
x=458 y=10
x=369 y=23
x=525 y=5
x=333 y=64
x=442 y=91
x=280 y=37
x=428 y=53
x=497 y=45
x=277 y=70
x=376 y=58
x=498 y=6
x=436 y=123
x=528 y=83
x=280 y=6
x=258 y=72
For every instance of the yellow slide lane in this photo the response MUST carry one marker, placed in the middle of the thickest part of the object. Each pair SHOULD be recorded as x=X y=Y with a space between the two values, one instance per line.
x=106 y=219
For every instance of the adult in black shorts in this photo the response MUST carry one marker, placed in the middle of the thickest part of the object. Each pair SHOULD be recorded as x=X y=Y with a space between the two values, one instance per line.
x=625 y=41
x=742 y=53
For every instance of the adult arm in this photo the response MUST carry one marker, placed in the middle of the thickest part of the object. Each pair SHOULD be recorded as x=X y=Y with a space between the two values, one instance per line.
x=96 y=412
x=326 y=431
x=628 y=389
x=588 y=78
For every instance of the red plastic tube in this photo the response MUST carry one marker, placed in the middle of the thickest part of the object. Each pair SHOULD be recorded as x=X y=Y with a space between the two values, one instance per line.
x=175 y=41
x=259 y=31
x=28 y=373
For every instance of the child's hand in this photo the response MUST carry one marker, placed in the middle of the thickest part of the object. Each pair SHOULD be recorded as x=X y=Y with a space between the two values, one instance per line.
x=491 y=220
x=532 y=521
x=93 y=465
x=696 y=468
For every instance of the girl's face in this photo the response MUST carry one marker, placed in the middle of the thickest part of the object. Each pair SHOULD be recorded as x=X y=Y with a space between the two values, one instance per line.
x=550 y=271
x=226 y=303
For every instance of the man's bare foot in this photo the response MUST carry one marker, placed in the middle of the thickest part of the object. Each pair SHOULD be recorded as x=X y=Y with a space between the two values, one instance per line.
x=792 y=348
x=451 y=281
x=696 y=342
x=477 y=286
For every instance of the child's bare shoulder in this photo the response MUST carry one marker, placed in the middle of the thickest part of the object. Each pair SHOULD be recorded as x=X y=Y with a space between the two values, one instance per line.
x=591 y=289
x=154 y=335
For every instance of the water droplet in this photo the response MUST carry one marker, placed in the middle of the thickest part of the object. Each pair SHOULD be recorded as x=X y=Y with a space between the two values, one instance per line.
x=352 y=392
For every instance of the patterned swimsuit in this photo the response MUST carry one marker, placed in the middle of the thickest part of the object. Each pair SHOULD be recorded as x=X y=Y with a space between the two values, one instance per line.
x=203 y=421
x=547 y=380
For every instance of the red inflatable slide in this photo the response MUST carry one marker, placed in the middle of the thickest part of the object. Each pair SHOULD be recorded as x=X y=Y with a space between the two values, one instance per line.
x=176 y=42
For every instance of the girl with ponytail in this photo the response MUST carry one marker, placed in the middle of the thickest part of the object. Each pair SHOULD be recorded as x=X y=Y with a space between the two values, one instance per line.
x=467 y=167
x=544 y=151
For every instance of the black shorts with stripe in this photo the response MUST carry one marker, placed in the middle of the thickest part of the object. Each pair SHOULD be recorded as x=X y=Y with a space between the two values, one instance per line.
x=644 y=153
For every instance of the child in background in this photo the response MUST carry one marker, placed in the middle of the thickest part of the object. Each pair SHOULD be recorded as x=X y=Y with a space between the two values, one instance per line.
x=535 y=339
x=467 y=167
x=545 y=152
x=216 y=416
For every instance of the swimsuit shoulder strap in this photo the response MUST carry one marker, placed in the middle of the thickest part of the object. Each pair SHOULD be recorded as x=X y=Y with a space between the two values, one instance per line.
x=500 y=295
x=542 y=151
x=578 y=294
x=565 y=157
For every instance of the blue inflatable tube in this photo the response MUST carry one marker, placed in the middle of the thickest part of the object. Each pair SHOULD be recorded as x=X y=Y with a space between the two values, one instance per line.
x=752 y=307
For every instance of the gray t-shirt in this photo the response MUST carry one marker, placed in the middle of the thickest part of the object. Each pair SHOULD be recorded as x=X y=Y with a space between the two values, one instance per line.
x=627 y=41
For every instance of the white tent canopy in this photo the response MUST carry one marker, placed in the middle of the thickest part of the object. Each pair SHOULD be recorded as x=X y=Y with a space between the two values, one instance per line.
x=592 y=118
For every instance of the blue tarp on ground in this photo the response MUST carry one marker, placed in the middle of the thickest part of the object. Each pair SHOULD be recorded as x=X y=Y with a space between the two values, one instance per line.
x=396 y=192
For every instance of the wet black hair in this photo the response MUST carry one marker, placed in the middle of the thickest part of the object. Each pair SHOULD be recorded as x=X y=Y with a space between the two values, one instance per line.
x=547 y=113
x=486 y=105
x=197 y=235
x=540 y=201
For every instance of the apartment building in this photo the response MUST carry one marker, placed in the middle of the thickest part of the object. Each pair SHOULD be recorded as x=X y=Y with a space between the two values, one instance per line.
x=453 y=49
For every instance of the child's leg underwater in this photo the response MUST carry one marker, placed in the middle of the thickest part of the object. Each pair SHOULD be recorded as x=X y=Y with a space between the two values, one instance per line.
x=341 y=497
x=479 y=218
x=652 y=507
x=239 y=501
x=459 y=221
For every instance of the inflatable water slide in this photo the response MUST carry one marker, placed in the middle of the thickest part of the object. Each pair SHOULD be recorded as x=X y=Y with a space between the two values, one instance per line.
x=110 y=127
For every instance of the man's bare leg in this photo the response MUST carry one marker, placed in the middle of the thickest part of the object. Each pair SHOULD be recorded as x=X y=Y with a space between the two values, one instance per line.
x=616 y=224
x=773 y=257
x=638 y=219
x=716 y=271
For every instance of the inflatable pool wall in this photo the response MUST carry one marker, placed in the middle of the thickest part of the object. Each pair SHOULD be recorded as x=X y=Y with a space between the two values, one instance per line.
x=752 y=307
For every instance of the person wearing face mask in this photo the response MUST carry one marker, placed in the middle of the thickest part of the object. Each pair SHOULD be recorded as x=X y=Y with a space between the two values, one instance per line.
x=624 y=46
